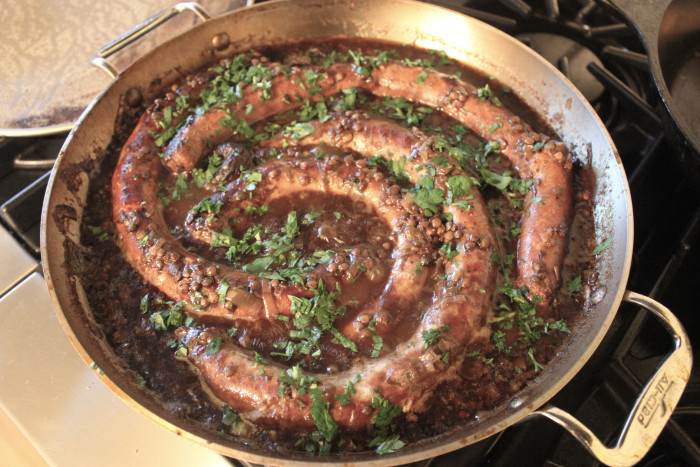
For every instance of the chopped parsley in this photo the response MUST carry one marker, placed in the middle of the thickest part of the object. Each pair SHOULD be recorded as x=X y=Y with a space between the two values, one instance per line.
x=458 y=186
x=520 y=313
x=401 y=109
x=378 y=343
x=295 y=379
x=575 y=285
x=325 y=424
x=208 y=206
x=395 y=167
x=495 y=126
x=203 y=176
x=531 y=356
x=384 y=440
x=350 y=387
x=172 y=317
x=98 y=232
x=270 y=249
x=145 y=302
x=486 y=93
x=299 y=130
x=417 y=270
x=142 y=381
x=601 y=247
x=213 y=346
x=449 y=250
x=252 y=178
x=310 y=217
x=312 y=317
x=428 y=198
x=430 y=336
x=259 y=359
x=257 y=210
x=230 y=417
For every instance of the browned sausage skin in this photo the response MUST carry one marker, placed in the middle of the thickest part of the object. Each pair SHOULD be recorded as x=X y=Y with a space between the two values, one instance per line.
x=549 y=203
x=406 y=375
x=407 y=371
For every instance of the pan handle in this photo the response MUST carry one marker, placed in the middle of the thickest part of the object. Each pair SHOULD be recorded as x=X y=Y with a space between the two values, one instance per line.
x=140 y=30
x=653 y=407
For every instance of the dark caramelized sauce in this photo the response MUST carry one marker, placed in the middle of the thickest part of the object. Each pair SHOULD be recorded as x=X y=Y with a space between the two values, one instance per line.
x=115 y=289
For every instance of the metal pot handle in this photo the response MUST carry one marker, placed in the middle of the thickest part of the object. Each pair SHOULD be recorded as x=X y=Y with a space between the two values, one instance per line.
x=653 y=407
x=141 y=30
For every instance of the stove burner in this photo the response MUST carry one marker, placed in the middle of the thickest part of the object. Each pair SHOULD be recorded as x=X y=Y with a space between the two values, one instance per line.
x=571 y=57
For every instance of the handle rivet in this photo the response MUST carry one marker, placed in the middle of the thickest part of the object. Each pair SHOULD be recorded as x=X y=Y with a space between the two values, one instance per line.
x=220 y=41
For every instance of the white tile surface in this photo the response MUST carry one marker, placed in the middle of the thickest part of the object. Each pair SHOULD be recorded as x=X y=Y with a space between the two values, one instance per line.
x=61 y=406
x=15 y=263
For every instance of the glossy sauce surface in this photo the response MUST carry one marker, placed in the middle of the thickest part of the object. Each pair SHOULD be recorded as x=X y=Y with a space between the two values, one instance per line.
x=358 y=250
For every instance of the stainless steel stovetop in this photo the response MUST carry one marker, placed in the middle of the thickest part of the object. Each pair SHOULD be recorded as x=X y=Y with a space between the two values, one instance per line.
x=55 y=400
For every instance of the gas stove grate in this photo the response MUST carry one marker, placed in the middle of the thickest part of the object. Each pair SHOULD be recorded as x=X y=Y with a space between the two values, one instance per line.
x=25 y=165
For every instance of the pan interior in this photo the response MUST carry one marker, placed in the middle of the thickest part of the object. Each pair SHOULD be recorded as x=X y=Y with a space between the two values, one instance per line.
x=462 y=38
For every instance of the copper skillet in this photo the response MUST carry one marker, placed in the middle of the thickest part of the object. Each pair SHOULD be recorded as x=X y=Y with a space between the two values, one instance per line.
x=403 y=21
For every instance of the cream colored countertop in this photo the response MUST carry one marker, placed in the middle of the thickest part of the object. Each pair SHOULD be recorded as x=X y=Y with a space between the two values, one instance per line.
x=56 y=409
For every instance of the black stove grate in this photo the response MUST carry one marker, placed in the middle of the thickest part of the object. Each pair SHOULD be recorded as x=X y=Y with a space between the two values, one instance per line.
x=25 y=165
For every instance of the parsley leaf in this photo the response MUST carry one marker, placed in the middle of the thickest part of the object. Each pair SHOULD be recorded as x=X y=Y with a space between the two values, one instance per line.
x=531 y=355
x=574 y=285
x=395 y=167
x=486 y=93
x=429 y=199
x=390 y=444
x=459 y=185
x=203 y=176
x=430 y=336
x=145 y=300
x=322 y=416
x=206 y=205
x=344 y=399
x=259 y=265
x=230 y=417
x=174 y=316
x=384 y=441
x=378 y=344
x=213 y=346
x=299 y=130
x=98 y=232
x=601 y=247
x=252 y=178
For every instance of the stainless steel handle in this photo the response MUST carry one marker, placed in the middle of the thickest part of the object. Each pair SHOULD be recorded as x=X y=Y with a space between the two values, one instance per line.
x=140 y=30
x=653 y=407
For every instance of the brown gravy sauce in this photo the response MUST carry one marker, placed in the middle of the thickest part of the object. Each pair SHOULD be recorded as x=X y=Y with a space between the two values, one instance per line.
x=490 y=376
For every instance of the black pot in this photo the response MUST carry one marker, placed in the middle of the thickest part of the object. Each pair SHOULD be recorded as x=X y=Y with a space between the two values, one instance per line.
x=670 y=30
